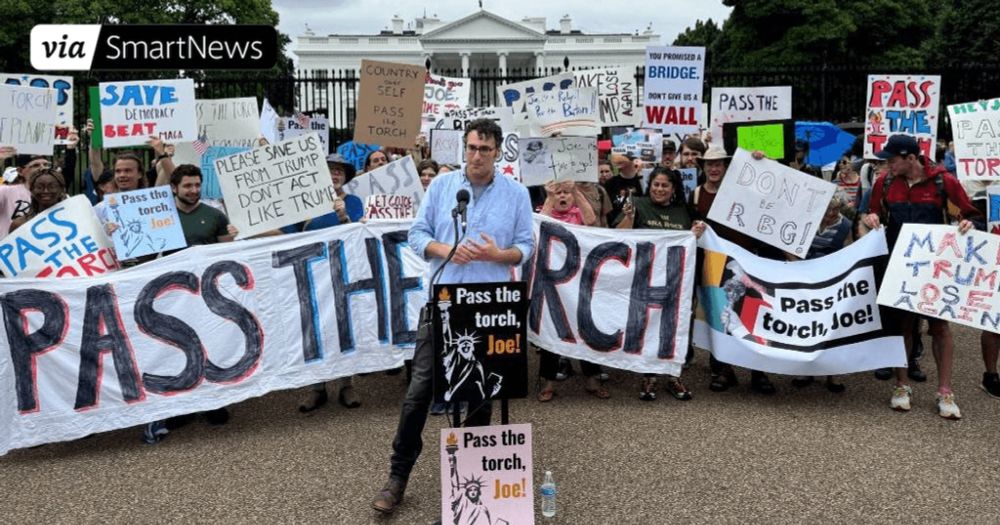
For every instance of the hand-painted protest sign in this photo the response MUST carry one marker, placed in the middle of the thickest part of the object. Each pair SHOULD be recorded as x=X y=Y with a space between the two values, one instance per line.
x=813 y=317
x=689 y=176
x=460 y=118
x=269 y=122
x=296 y=126
x=443 y=94
x=612 y=297
x=64 y=98
x=232 y=124
x=993 y=209
x=486 y=475
x=64 y=241
x=202 y=329
x=776 y=139
x=826 y=142
x=210 y=187
x=748 y=104
x=509 y=162
x=389 y=104
x=673 y=88
x=558 y=158
x=772 y=203
x=28 y=117
x=937 y=272
x=902 y=104
x=572 y=111
x=643 y=144
x=616 y=92
x=480 y=342
x=133 y=111
x=276 y=185
x=515 y=96
x=447 y=146
x=147 y=222
x=395 y=178
x=356 y=153
x=975 y=127
x=384 y=206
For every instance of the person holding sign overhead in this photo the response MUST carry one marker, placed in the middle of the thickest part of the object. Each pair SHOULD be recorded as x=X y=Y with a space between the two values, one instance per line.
x=497 y=236
x=47 y=188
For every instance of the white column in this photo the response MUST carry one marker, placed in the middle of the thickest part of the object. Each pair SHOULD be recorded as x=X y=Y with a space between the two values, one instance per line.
x=539 y=59
x=502 y=57
x=465 y=64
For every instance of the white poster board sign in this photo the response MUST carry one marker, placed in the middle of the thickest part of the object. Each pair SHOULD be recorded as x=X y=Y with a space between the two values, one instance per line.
x=616 y=93
x=748 y=104
x=902 y=105
x=673 y=89
x=975 y=128
x=460 y=118
x=133 y=111
x=515 y=96
x=28 y=118
x=297 y=126
x=771 y=202
x=64 y=97
x=269 y=122
x=558 y=158
x=571 y=111
x=447 y=146
x=395 y=178
x=443 y=94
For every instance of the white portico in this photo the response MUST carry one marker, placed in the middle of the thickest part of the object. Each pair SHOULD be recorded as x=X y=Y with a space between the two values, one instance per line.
x=481 y=40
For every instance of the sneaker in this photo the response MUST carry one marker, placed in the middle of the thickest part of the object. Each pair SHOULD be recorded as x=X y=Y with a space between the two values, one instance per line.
x=154 y=432
x=565 y=369
x=914 y=372
x=438 y=409
x=883 y=374
x=947 y=407
x=677 y=389
x=390 y=496
x=991 y=384
x=900 y=401
x=348 y=398
x=603 y=376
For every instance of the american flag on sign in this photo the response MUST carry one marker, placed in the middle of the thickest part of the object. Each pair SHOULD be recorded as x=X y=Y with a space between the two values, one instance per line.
x=302 y=119
x=200 y=146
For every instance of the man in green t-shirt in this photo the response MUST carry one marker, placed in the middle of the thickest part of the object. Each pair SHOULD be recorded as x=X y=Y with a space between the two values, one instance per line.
x=202 y=224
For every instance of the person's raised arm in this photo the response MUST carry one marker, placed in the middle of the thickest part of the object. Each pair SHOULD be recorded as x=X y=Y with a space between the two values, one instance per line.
x=589 y=217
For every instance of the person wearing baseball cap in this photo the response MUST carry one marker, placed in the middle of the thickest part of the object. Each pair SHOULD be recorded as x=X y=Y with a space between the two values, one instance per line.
x=669 y=153
x=914 y=190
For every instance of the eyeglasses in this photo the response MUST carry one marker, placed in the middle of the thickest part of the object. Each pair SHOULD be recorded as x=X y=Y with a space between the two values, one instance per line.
x=483 y=150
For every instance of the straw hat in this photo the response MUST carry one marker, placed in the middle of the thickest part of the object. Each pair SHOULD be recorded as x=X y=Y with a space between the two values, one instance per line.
x=715 y=152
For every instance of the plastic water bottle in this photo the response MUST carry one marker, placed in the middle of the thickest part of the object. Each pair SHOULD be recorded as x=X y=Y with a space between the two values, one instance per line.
x=548 y=496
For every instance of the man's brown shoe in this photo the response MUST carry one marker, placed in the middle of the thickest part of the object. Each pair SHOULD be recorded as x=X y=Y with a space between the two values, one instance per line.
x=390 y=496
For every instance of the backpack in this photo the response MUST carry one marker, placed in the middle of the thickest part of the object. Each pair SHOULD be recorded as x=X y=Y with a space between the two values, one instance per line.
x=938 y=183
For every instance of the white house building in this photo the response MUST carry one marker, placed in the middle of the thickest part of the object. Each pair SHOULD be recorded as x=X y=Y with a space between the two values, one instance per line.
x=481 y=40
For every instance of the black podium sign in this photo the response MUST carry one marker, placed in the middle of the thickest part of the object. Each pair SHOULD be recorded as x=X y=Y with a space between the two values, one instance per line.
x=480 y=341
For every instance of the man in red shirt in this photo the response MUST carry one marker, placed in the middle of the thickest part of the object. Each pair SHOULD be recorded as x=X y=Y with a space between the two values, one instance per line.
x=918 y=191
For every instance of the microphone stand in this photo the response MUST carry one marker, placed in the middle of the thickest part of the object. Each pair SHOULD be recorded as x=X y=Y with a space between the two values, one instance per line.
x=457 y=409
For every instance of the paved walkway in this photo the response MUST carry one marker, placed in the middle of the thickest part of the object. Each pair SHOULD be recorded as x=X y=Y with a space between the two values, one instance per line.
x=800 y=456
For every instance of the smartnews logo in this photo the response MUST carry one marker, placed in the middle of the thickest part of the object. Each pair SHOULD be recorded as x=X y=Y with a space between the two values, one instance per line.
x=131 y=47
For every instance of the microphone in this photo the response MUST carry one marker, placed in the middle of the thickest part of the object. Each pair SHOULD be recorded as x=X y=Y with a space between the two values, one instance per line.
x=463 y=202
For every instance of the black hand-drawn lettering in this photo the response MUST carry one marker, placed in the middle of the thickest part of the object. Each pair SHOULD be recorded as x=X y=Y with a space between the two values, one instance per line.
x=232 y=310
x=342 y=290
x=299 y=259
x=171 y=331
x=398 y=287
x=644 y=296
x=545 y=279
x=103 y=332
x=25 y=347
x=584 y=313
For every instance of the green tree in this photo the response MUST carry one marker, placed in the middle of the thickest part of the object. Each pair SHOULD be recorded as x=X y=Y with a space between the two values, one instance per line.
x=967 y=33
x=703 y=33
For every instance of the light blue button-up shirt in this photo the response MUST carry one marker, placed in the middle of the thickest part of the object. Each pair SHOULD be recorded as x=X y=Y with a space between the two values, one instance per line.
x=502 y=211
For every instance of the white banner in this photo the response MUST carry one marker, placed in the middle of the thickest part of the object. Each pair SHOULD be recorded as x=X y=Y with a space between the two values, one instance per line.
x=28 y=119
x=64 y=241
x=937 y=272
x=902 y=105
x=616 y=298
x=616 y=92
x=975 y=127
x=64 y=97
x=813 y=317
x=276 y=185
x=133 y=111
x=673 y=89
x=442 y=94
x=748 y=104
x=771 y=202
x=459 y=118
x=395 y=178
x=204 y=328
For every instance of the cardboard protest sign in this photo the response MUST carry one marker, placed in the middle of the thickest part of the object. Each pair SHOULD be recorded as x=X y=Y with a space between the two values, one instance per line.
x=993 y=209
x=934 y=271
x=775 y=138
x=975 y=128
x=229 y=123
x=64 y=241
x=902 y=104
x=269 y=122
x=813 y=317
x=558 y=158
x=748 y=104
x=515 y=96
x=673 y=88
x=616 y=93
x=356 y=153
x=443 y=94
x=299 y=125
x=64 y=98
x=642 y=144
x=147 y=222
x=276 y=185
x=202 y=329
x=572 y=111
x=486 y=475
x=480 y=341
x=447 y=146
x=133 y=111
x=384 y=206
x=28 y=117
x=399 y=177
x=389 y=104
x=460 y=118
x=771 y=202
x=618 y=298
